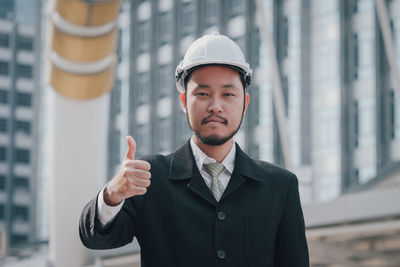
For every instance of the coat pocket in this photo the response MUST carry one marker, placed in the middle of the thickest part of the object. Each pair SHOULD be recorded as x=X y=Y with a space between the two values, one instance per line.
x=260 y=240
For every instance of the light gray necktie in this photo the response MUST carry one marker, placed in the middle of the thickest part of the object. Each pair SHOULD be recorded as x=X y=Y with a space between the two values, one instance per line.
x=215 y=169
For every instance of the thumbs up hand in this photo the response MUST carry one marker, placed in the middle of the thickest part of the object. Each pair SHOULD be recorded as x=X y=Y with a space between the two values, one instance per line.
x=132 y=179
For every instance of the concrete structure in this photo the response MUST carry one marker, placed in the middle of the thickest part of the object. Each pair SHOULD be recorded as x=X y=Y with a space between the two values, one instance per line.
x=81 y=67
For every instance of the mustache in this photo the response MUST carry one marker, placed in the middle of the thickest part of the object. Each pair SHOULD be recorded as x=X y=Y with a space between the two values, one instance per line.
x=204 y=121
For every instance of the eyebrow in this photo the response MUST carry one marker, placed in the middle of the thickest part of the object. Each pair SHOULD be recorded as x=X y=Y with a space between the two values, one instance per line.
x=199 y=85
x=207 y=86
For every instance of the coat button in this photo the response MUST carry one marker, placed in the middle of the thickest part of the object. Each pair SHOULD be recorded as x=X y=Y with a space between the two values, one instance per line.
x=221 y=216
x=221 y=254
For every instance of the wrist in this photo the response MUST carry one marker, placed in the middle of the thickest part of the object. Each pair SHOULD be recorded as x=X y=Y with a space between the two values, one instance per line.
x=110 y=199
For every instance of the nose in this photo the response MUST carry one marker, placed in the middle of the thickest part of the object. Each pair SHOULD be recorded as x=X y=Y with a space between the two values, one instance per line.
x=215 y=105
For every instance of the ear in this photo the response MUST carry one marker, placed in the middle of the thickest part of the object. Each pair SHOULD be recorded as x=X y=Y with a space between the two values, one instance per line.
x=183 y=101
x=247 y=100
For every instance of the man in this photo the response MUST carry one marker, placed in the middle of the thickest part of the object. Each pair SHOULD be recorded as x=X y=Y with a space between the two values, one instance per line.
x=209 y=204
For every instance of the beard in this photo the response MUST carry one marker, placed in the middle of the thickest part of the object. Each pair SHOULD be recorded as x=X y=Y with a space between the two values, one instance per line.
x=214 y=140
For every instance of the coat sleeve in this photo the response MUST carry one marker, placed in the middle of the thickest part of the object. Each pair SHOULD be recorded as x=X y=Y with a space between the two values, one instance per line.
x=291 y=246
x=119 y=232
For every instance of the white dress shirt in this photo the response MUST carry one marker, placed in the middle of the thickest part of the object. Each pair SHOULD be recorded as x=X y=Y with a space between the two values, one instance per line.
x=107 y=213
x=201 y=158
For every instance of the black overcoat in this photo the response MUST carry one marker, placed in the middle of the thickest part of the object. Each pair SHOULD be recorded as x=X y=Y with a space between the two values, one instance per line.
x=178 y=223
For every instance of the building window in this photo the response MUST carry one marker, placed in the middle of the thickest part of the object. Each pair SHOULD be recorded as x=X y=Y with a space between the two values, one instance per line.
x=18 y=239
x=3 y=68
x=392 y=112
x=165 y=27
x=23 y=126
x=4 y=40
x=25 y=43
x=22 y=183
x=2 y=212
x=394 y=115
x=188 y=18
x=3 y=125
x=22 y=155
x=24 y=71
x=7 y=10
x=355 y=180
x=143 y=36
x=143 y=86
x=116 y=98
x=255 y=116
x=356 y=124
x=3 y=96
x=165 y=74
x=284 y=38
x=114 y=151
x=164 y=136
x=355 y=56
x=143 y=138
x=366 y=124
x=236 y=7
x=21 y=213
x=3 y=153
x=24 y=99
x=211 y=10
x=119 y=46
x=363 y=54
x=285 y=89
x=2 y=183
x=256 y=47
x=363 y=5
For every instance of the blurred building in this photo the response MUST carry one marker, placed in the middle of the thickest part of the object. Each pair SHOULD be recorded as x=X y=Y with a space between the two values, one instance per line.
x=341 y=104
x=7 y=9
x=19 y=95
x=342 y=112
x=341 y=101
x=119 y=110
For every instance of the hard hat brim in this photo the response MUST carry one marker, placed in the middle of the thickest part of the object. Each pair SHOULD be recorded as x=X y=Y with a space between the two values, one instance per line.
x=182 y=73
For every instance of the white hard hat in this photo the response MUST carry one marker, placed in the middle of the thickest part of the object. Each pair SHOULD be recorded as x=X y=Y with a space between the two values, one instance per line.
x=212 y=48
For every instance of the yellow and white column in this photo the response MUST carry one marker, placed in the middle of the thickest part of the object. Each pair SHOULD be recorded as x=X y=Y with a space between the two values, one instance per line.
x=81 y=72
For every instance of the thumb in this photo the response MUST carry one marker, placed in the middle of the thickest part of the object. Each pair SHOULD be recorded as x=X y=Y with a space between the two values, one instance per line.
x=130 y=153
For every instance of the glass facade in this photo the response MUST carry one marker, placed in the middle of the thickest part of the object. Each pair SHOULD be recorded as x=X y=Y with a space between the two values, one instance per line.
x=7 y=9
x=264 y=132
x=364 y=92
x=325 y=98
x=393 y=95
x=19 y=94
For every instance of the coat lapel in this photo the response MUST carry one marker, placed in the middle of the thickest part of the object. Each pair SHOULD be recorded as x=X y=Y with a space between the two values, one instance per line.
x=245 y=169
x=183 y=167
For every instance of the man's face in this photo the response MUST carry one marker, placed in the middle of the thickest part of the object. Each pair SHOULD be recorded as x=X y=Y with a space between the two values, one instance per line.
x=214 y=103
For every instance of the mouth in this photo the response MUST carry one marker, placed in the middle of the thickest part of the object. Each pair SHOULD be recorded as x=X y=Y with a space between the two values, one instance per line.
x=214 y=119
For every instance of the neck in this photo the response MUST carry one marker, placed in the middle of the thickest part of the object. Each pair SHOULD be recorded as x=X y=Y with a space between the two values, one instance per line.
x=216 y=152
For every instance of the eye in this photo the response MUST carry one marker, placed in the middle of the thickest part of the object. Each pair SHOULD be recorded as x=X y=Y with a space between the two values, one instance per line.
x=201 y=94
x=229 y=94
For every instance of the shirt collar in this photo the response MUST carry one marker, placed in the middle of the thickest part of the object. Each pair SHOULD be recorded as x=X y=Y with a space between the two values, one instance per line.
x=201 y=158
